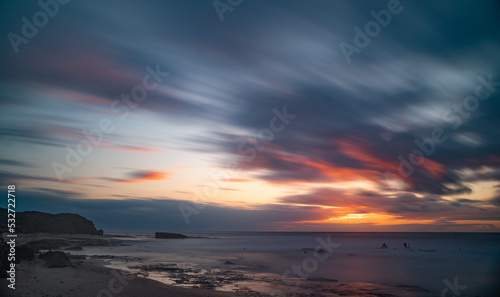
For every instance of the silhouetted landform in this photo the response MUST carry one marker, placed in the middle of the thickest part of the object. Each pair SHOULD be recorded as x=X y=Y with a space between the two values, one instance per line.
x=169 y=235
x=40 y=222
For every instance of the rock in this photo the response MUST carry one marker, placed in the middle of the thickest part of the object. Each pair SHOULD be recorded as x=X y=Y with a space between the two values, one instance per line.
x=73 y=248
x=40 y=222
x=229 y=263
x=78 y=257
x=158 y=267
x=47 y=244
x=321 y=279
x=24 y=252
x=4 y=263
x=55 y=259
x=169 y=235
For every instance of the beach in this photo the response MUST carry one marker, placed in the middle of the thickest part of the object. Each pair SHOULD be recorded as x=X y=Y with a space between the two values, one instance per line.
x=91 y=278
x=88 y=277
x=252 y=264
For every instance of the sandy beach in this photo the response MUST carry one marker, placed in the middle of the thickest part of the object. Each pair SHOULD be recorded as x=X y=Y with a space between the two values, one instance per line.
x=90 y=276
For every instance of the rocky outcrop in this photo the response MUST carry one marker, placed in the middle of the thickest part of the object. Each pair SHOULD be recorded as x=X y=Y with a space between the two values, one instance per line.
x=25 y=252
x=40 y=222
x=169 y=235
x=55 y=259
x=4 y=263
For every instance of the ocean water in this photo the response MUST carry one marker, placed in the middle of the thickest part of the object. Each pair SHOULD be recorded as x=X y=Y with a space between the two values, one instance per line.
x=265 y=261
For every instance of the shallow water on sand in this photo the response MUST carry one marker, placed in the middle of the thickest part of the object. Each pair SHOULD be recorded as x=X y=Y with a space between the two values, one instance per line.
x=265 y=261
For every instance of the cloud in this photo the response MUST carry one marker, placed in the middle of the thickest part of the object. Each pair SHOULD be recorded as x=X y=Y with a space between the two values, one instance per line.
x=150 y=215
x=140 y=176
x=13 y=178
x=353 y=121
x=495 y=201
x=229 y=189
x=130 y=148
x=238 y=180
x=6 y=162
x=404 y=205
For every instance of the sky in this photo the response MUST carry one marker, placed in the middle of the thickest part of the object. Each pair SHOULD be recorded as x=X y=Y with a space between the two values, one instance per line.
x=254 y=115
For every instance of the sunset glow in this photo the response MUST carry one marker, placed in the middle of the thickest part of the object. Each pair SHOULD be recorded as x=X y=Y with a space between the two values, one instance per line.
x=157 y=115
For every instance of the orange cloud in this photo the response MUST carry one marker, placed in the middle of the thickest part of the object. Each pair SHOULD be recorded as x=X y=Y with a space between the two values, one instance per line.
x=358 y=152
x=436 y=169
x=238 y=180
x=130 y=148
x=144 y=176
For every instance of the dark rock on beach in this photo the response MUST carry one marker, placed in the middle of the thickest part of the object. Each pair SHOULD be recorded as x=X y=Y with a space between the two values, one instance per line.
x=157 y=267
x=25 y=252
x=47 y=244
x=4 y=263
x=169 y=235
x=55 y=259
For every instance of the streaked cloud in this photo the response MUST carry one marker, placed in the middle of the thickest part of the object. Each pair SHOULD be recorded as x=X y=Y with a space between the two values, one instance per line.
x=357 y=125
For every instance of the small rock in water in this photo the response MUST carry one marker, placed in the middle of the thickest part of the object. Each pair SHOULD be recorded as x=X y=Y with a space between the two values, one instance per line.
x=169 y=235
x=321 y=279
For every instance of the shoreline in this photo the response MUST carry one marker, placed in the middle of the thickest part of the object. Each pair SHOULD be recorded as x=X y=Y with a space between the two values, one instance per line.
x=90 y=275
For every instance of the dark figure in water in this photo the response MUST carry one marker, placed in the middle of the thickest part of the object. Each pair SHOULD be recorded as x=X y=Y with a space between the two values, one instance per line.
x=384 y=246
x=405 y=245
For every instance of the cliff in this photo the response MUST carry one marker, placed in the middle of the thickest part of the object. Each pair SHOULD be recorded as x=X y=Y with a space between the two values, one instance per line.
x=40 y=222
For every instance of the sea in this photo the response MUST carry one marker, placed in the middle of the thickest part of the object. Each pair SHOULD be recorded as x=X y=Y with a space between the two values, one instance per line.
x=288 y=263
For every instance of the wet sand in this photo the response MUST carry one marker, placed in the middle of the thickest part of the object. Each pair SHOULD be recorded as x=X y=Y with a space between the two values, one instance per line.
x=89 y=276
